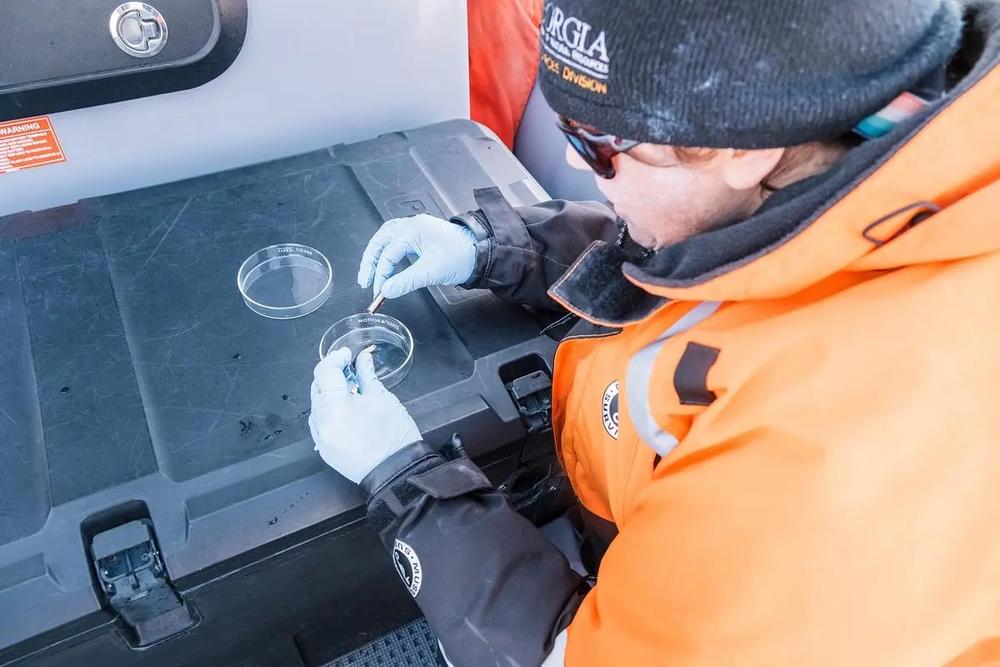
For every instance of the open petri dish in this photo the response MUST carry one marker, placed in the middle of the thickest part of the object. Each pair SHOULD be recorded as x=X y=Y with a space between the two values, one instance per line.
x=285 y=281
x=393 y=353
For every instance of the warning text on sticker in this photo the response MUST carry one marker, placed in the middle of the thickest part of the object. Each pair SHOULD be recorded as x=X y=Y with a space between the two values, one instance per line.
x=26 y=143
x=17 y=129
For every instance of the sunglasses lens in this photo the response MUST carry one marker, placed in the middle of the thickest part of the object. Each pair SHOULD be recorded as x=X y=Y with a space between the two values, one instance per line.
x=602 y=165
x=581 y=147
x=596 y=157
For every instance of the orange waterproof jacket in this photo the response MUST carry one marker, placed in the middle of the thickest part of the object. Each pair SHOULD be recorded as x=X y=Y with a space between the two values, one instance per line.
x=804 y=466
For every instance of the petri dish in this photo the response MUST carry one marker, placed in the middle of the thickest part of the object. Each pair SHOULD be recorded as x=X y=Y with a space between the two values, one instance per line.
x=285 y=281
x=393 y=353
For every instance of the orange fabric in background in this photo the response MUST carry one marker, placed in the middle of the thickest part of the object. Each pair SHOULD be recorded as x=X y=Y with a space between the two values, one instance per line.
x=503 y=60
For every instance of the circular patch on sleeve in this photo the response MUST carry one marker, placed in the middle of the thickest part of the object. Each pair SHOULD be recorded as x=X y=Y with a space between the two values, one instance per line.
x=609 y=409
x=407 y=564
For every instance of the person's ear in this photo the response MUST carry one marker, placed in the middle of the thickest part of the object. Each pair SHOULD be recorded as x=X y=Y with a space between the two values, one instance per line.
x=745 y=169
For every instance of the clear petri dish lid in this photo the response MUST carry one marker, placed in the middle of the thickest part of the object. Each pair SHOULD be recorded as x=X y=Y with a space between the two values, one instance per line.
x=285 y=281
x=392 y=341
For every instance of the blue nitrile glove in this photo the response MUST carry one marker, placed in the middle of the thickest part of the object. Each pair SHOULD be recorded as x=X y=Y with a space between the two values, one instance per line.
x=354 y=432
x=442 y=252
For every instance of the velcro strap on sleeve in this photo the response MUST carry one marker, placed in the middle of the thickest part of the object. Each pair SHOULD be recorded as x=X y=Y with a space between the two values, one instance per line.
x=450 y=480
x=507 y=226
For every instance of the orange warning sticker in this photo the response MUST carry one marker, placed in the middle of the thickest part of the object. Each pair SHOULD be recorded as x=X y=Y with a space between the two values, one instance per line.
x=26 y=143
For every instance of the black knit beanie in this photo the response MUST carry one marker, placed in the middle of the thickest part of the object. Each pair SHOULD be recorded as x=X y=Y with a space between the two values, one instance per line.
x=738 y=73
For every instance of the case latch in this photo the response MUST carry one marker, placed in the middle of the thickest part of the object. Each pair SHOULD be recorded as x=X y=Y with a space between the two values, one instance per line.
x=136 y=585
x=532 y=393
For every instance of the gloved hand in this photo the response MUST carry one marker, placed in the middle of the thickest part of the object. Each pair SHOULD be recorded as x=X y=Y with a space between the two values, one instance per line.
x=355 y=432
x=444 y=254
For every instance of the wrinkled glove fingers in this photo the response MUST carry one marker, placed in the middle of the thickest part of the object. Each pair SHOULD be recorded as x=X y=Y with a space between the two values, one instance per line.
x=368 y=382
x=394 y=253
x=370 y=257
x=417 y=275
x=321 y=400
x=328 y=376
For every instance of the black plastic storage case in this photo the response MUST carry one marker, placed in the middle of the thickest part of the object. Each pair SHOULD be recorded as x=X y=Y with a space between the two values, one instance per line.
x=160 y=499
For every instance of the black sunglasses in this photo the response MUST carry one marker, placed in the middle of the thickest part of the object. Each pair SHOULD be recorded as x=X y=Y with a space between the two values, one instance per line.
x=596 y=149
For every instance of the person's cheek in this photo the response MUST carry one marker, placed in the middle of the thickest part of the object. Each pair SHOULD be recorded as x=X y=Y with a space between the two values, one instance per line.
x=609 y=187
x=574 y=160
x=652 y=200
x=630 y=188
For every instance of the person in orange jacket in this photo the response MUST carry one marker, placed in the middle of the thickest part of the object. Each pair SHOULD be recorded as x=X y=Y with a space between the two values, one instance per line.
x=780 y=388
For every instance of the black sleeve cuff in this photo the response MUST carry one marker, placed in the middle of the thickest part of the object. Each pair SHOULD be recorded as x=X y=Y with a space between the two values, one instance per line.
x=476 y=222
x=480 y=227
x=414 y=473
x=411 y=459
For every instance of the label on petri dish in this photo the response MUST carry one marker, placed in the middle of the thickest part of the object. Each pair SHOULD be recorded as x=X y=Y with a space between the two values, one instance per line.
x=284 y=250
